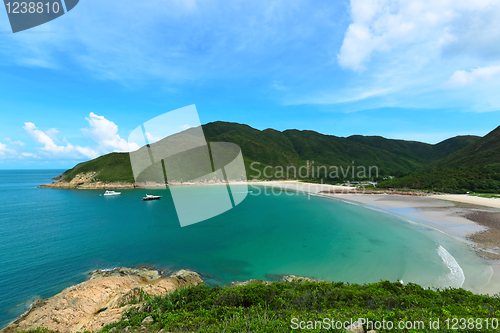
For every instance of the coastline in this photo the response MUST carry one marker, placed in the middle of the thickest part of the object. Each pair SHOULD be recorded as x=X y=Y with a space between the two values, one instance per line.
x=474 y=223
x=467 y=218
x=461 y=221
x=448 y=215
x=101 y=300
x=464 y=198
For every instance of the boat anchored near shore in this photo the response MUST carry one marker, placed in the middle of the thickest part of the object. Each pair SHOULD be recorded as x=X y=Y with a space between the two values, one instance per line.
x=108 y=193
x=151 y=197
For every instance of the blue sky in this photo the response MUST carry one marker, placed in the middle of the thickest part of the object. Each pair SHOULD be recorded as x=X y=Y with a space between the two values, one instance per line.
x=76 y=87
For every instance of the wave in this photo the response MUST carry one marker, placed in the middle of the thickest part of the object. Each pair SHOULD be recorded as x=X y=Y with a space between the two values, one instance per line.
x=350 y=203
x=456 y=277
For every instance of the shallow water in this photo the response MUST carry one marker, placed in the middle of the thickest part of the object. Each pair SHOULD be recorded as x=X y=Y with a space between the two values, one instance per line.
x=50 y=239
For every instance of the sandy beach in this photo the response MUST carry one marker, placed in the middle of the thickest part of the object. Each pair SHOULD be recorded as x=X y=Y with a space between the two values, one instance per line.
x=488 y=202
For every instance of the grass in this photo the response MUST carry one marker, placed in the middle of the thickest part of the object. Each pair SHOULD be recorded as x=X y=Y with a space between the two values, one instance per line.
x=271 y=308
x=114 y=167
x=486 y=195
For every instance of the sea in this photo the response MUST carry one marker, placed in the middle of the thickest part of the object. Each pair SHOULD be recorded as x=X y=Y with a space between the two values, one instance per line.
x=51 y=239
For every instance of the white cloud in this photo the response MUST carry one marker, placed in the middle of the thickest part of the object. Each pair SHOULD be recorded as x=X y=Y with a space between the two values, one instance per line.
x=6 y=152
x=3 y=147
x=175 y=41
x=480 y=74
x=52 y=133
x=383 y=26
x=184 y=127
x=101 y=130
x=339 y=97
x=49 y=147
x=18 y=142
x=105 y=133
x=151 y=138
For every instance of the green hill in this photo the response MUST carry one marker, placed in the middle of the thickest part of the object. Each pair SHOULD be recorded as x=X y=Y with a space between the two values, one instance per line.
x=293 y=147
x=296 y=148
x=424 y=153
x=114 y=167
x=484 y=151
x=476 y=167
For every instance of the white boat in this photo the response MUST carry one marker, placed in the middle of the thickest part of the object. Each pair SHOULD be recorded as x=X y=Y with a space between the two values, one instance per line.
x=112 y=193
x=151 y=197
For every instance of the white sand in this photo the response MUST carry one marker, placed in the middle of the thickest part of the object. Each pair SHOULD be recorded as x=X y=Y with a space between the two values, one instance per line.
x=488 y=202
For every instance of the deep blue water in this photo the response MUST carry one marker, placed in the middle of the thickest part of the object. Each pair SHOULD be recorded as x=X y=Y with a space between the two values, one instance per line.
x=50 y=239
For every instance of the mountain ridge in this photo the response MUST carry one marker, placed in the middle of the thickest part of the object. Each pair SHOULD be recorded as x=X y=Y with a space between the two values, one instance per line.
x=270 y=147
x=475 y=167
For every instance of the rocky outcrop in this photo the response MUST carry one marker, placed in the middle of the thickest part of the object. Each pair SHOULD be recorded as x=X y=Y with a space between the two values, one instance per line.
x=249 y=282
x=90 y=186
x=91 y=305
x=89 y=181
x=290 y=278
x=188 y=277
x=283 y=278
x=356 y=327
x=147 y=273
x=86 y=181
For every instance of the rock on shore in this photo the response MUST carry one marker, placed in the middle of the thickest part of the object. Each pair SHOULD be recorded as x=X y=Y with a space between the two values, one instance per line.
x=147 y=273
x=283 y=278
x=90 y=181
x=86 y=181
x=91 y=305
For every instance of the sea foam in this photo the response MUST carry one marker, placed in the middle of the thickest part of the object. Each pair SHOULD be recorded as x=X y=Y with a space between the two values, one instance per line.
x=456 y=277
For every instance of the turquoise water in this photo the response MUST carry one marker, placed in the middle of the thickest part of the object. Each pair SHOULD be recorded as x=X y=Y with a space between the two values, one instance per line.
x=50 y=239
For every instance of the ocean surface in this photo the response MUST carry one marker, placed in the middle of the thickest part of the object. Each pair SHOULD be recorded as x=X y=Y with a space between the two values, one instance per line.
x=50 y=239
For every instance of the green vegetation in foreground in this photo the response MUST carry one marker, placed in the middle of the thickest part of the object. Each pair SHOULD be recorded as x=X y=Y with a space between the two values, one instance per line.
x=270 y=308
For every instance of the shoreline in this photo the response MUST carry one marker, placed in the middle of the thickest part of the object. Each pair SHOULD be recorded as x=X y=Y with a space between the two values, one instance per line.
x=460 y=219
x=464 y=198
x=473 y=221
x=100 y=300
x=476 y=226
x=468 y=222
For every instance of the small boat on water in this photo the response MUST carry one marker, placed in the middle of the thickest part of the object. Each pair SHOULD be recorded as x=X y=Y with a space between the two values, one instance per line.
x=151 y=197
x=112 y=193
